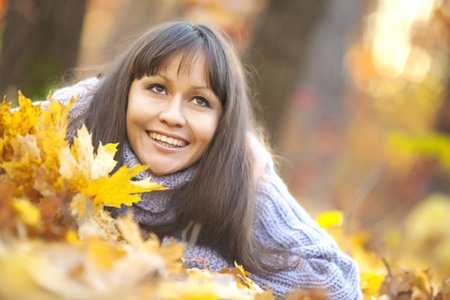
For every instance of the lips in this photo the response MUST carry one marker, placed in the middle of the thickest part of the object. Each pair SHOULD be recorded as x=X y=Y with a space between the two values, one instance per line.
x=166 y=140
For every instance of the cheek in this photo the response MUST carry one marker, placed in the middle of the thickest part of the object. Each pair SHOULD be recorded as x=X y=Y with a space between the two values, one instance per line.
x=129 y=123
x=135 y=117
x=133 y=121
x=207 y=137
x=206 y=132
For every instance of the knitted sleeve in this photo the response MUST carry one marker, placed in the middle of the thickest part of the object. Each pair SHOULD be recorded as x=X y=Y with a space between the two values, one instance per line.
x=281 y=221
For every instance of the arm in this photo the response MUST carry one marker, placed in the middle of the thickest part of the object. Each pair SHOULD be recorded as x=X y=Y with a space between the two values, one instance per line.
x=281 y=221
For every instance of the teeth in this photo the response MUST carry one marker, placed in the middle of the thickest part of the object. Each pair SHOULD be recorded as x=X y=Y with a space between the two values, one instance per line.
x=167 y=141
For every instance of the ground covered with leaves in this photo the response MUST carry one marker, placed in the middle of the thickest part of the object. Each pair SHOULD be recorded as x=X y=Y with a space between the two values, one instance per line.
x=57 y=241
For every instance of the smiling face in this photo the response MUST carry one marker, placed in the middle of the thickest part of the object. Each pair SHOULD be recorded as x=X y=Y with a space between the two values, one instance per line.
x=172 y=115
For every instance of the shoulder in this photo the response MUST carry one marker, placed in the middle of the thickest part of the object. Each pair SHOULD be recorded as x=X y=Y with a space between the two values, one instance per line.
x=84 y=92
x=279 y=217
x=267 y=180
x=262 y=158
x=280 y=221
x=81 y=90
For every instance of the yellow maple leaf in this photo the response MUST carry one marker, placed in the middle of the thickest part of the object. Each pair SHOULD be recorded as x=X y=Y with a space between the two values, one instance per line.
x=104 y=161
x=92 y=166
x=19 y=165
x=108 y=225
x=129 y=230
x=51 y=139
x=78 y=206
x=89 y=173
x=23 y=120
x=72 y=238
x=101 y=253
x=5 y=112
x=31 y=139
x=57 y=113
x=118 y=188
x=70 y=171
x=371 y=282
x=83 y=152
x=330 y=219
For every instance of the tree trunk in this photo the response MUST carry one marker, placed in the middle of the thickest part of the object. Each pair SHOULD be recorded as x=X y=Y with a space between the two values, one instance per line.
x=40 y=42
x=441 y=180
x=443 y=118
x=276 y=54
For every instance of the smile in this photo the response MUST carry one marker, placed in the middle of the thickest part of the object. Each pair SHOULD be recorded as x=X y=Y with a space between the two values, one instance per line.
x=167 y=141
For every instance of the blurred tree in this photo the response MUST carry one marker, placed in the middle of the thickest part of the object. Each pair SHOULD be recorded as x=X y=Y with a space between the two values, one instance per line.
x=40 y=41
x=298 y=51
x=441 y=181
x=317 y=115
x=138 y=16
x=443 y=118
x=276 y=52
x=110 y=26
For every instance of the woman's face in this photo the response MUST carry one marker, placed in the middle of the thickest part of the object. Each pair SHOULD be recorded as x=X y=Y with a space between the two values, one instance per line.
x=172 y=116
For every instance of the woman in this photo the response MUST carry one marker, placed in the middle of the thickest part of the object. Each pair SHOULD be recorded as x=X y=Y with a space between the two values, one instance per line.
x=177 y=102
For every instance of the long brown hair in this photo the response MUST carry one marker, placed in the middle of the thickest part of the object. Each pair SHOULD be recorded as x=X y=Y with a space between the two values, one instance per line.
x=221 y=195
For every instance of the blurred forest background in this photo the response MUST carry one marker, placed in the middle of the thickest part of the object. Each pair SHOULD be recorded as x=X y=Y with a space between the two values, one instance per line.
x=354 y=93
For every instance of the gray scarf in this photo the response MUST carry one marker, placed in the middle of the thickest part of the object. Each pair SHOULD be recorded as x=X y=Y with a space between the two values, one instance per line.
x=154 y=208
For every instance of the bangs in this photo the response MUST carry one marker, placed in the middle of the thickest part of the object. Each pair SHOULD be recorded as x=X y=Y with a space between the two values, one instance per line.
x=158 y=49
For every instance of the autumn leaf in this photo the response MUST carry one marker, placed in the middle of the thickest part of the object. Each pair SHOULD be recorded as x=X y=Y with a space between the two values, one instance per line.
x=370 y=283
x=7 y=192
x=92 y=166
x=32 y=138
x=27 y=212
x=242 y=280
x=118 y=189
x=329 y=219
x=88 y=173
x=131 y=233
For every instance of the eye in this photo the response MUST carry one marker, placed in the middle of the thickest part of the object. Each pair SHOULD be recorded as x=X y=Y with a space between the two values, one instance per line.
x=158 y=88
x=200 y=101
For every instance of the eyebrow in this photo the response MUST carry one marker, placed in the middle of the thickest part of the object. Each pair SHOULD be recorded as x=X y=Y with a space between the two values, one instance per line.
x=195 y=88
x=202 y=88
x=162 y=76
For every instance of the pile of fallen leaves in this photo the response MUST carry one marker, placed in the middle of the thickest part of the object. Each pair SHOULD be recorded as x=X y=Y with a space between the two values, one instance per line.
x=383 y=280
x=58 y=242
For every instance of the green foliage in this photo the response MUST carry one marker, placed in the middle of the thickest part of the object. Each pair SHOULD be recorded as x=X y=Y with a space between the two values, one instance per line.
x=431 y=145
x=37 y=74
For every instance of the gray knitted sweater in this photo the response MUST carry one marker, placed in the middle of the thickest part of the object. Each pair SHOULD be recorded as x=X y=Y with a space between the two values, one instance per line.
x=279 y=220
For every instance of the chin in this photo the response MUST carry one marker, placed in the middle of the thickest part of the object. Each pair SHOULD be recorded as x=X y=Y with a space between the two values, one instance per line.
x=161 y=171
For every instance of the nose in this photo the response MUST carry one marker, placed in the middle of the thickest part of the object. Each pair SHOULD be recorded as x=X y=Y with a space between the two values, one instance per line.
x=172 y=113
